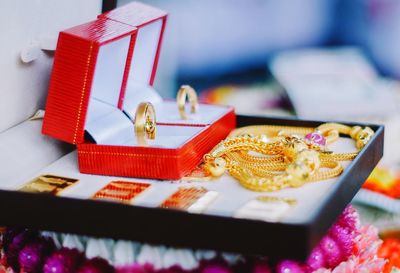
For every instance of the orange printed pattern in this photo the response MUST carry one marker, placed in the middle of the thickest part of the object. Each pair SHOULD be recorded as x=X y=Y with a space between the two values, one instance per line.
x=183 y=198
x=121 y=191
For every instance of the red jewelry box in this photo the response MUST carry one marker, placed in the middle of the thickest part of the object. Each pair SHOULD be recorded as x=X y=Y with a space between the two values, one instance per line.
x=102 y=70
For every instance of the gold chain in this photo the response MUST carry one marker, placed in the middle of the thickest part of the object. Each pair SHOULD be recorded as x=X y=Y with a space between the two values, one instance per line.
x=270 y=158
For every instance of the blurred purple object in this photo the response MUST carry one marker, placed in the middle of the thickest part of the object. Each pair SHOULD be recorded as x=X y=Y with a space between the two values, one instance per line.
x=290 y=267
x=33 y=255
x=17 y=243
x=96 y=265
x=64 y=260
x=9 y=235
x=136 y=268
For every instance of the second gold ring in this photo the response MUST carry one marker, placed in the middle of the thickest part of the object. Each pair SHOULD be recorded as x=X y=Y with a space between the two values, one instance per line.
x=187 y=91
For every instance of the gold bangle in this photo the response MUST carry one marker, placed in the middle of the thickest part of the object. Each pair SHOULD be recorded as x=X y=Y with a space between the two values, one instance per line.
x=187 y=91
x=145 y=123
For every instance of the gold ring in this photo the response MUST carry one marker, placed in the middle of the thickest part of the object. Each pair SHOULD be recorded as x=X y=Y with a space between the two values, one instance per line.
x=145 y=123
x=186 y=91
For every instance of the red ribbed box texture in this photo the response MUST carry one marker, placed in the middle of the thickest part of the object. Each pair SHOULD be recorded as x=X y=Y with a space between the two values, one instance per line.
x=70 y=90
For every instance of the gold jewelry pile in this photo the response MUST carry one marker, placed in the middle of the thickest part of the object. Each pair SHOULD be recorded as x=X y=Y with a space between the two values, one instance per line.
x=270 y=158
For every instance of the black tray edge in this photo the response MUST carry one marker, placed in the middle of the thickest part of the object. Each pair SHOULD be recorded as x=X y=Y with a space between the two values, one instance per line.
x=158 y=226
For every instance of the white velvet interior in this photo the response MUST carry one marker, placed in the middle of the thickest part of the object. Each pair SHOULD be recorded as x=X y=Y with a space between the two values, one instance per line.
x=231 y=196
x=137 y=93
x=110 y=68
x=145 y=53
x=110 y=126
x=107 y=124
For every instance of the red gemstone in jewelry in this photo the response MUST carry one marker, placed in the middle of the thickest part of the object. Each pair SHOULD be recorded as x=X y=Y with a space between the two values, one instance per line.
x=316 y=138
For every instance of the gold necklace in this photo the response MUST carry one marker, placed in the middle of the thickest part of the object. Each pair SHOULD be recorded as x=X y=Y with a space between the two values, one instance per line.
x=270 y=158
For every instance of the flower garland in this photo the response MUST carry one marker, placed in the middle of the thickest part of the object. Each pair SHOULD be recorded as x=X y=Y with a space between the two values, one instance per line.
x=390 y=250
x=347 y=247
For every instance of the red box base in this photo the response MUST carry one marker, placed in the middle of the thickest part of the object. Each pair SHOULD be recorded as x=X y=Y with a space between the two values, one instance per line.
x=155 y=163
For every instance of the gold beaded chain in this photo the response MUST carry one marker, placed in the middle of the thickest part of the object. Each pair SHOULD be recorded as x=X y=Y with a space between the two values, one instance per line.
x=270 y=158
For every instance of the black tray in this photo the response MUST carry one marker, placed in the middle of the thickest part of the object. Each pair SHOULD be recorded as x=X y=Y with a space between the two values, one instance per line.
x=182 y=229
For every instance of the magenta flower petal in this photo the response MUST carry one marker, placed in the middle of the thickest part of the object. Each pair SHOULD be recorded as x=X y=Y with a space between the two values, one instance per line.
x=345 y=240
x=331 y=251
x=136 y=268
x=96 y=265
x=349 y=219
x=316 y=260
x=17 y=243
x=9 y=235
x=32 y=256
x=64 y=260
x=172 y=269
x=290 y=267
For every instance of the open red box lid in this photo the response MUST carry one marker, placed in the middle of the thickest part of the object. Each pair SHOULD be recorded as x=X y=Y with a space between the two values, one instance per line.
x=91 y=73
x=106 y=68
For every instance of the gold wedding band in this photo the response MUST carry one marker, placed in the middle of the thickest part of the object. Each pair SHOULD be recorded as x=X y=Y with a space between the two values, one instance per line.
x=145 y=123
x=187 y=91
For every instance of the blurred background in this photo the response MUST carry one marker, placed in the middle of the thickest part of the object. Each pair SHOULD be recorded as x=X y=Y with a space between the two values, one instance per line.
x=316 y=59
x=311 y=59
x=211 y=42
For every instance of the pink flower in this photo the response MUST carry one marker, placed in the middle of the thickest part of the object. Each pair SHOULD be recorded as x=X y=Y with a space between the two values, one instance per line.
x=374 y=266
x=346 y=267
x=370 y=251
x=3 y=269
x=172 y=269
x=316 y=259
x=364 y=259
x=64 y=260
x=136 y=268
x=331 y=250
x=32 y=256
x=354 y=265
x=368 y=235
x=344 y=238
x=16 y=244
x=349 y=219
x=288 y=266
x=96 y=265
